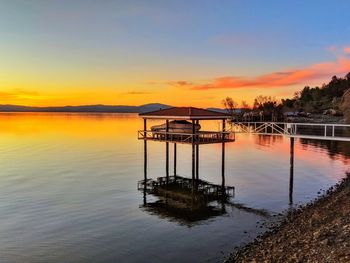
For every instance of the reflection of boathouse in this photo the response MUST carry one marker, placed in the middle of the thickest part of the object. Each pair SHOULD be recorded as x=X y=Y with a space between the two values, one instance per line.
x=180 y=198
x=181 y=201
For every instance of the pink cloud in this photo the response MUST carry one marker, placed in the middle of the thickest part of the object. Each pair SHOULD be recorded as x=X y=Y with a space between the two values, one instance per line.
x=347 y=50
x=307 y=75
x=332 y=48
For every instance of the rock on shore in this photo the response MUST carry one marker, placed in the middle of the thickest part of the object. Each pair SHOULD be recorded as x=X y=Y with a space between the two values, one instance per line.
x=318 y=232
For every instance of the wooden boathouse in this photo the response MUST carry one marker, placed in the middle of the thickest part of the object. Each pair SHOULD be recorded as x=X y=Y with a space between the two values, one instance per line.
x=193 y=136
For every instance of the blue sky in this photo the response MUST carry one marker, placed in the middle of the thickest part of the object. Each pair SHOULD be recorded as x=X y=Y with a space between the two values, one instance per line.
x=58 y=49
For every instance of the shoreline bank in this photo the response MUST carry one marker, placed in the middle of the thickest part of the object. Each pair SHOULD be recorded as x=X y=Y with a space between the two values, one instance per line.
x=316 y=232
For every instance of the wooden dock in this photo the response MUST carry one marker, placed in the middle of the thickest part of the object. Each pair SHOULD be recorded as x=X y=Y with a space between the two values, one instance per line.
x=316 y=131
x=192 y=135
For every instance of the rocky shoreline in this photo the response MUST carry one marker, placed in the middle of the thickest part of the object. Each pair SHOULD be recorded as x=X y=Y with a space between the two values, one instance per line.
x=317 y=232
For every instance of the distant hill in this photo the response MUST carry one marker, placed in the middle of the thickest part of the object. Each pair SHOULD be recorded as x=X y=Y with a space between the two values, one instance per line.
x=152 y=107
x=99 y=108
x=86 y=108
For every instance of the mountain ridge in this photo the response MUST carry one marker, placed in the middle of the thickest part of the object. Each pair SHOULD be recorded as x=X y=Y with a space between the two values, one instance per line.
x=98 y=108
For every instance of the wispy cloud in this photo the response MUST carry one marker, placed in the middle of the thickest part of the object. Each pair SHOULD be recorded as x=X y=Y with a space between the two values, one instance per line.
x=246 y=39
x=180 y=83
x=175 y=83
x=306 y=75
x=18 y=94
x=136 y=92
x=7 y=95
x=332 y=48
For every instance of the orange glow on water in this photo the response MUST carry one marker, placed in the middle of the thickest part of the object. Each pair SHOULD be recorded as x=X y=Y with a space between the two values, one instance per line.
x=72 y=123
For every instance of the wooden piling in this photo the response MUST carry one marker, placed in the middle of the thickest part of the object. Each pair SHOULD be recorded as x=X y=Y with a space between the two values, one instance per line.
x=175 y=160
x=167 y=152
x=223 y=154
x=291 y=171
x=145 y=150
x=193 y=150
x=197 y=159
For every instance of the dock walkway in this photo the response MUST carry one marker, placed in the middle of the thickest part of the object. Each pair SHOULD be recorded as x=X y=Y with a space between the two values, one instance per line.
x=317 y=131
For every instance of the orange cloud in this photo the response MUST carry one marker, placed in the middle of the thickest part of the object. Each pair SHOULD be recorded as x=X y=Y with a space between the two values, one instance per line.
x=18 y=94
x=315 y=72
x=7 y=95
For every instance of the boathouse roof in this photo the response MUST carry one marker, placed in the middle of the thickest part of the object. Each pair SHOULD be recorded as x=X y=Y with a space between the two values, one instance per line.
x=184 y=113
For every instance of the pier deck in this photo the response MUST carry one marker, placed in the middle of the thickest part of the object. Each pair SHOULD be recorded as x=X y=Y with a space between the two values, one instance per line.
x=201 y=137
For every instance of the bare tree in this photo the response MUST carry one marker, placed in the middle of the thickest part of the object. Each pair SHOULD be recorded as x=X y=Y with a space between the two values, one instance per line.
x=230 y=105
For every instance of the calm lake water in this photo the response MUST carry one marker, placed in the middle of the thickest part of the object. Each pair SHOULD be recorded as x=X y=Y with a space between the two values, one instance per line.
x=68 y=190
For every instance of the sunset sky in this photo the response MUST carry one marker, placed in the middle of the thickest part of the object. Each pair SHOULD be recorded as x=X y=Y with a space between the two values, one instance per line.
x=182 y=53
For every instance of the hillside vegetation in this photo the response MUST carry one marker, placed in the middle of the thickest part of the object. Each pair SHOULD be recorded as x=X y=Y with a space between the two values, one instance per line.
x=319 y=99
x=331 y=99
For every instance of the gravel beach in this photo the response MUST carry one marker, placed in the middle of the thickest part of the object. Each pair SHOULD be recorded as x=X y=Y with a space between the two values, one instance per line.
x=317 y=232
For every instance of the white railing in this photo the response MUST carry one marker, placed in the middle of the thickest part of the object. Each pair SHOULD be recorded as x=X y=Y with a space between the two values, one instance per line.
x=198 y=137
x=325 y=131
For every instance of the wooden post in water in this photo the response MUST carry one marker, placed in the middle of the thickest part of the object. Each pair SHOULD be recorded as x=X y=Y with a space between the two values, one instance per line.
x=144 y=160
x=197 y=157
x=167 y=152
x=223 y=155
x=193 y=151
x=145 y=149
x=175 y=160
x=291 y=171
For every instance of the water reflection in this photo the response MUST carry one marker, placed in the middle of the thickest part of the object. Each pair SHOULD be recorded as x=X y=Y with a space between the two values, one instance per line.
x=68 y=190
x=335 y=149
x=184 y=208
x=184 y=200
x=267 y=140
x=189 y=202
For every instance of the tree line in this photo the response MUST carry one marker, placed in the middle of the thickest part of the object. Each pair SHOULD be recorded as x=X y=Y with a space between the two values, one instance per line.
x=329 y=98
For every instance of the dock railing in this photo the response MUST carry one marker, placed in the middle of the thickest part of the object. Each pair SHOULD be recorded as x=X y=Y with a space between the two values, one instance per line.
x=200 y=137
x=321 y=131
